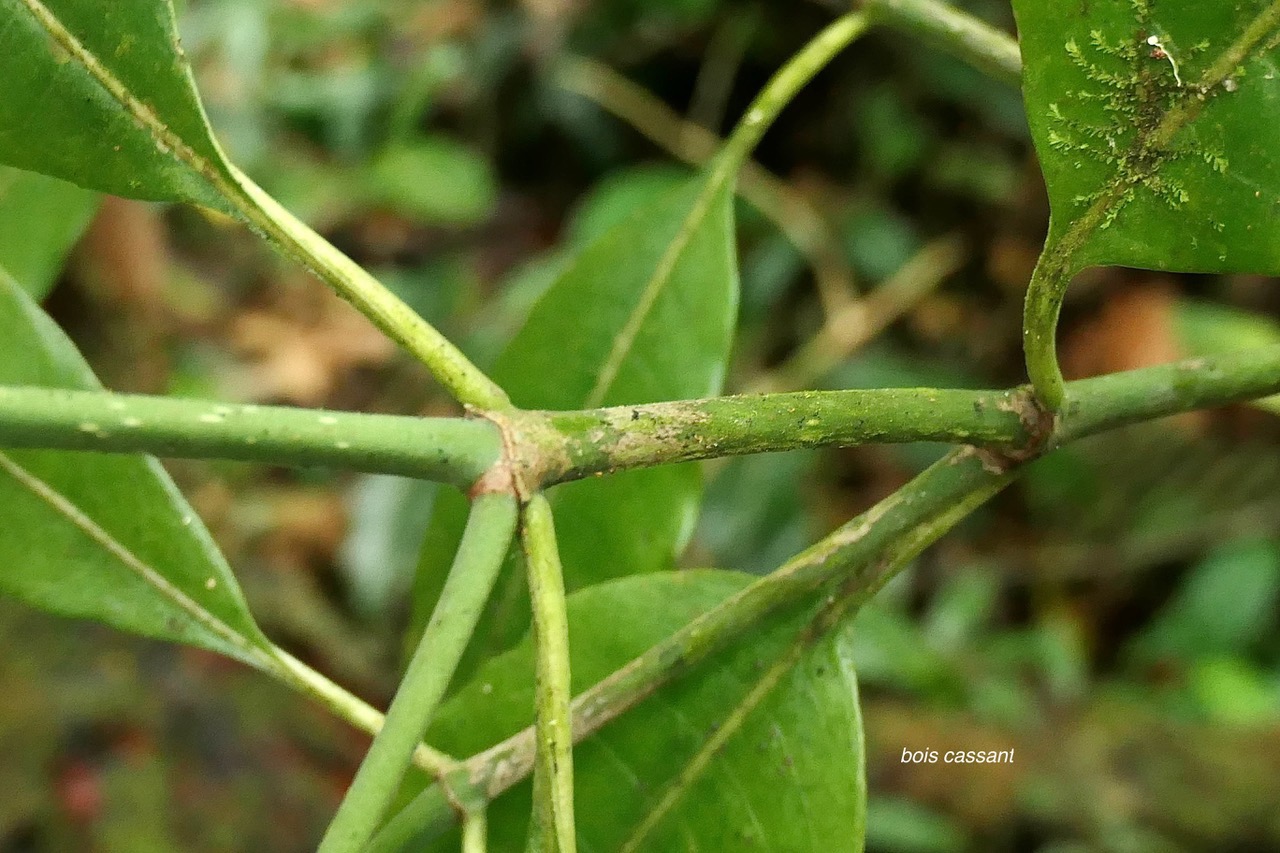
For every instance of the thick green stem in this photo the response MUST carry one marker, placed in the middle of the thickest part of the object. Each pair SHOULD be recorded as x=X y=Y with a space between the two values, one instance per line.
x=865 y=553
x=552 y=827
x=452 y=450
x=1118 y=399
x=956 y=32
x=622 y=437
x=466 y=382
x=859 y=557
x=480 y=556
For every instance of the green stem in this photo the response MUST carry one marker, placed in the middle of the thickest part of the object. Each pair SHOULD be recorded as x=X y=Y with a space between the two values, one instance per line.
x=789 y=210
x=1118 y=399
x=861 y=556
x=452 y=450
x=972 y=40
x=781 y=90
x=1045 y=295
x=466 y=382
x=475 y=831
x=552 y=827
x=479 y=557
x=622 y=437
x=864 y=554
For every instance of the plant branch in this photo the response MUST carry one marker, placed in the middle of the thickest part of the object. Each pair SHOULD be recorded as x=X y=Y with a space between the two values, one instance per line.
x=352 y=709
x=859 y=557
x=622 y=437
x=475 y=568
x=960 y=34
x=782 y=88
x=452 y=450
x=1105 y=402
x=552 y=827
x=466 y=382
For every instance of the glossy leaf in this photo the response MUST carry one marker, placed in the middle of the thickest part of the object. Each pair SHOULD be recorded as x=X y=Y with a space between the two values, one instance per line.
x=1157 y=123
x=788 y=778
x=644 y=313
x=40 y=220
x=105 y=537
x=101 y=95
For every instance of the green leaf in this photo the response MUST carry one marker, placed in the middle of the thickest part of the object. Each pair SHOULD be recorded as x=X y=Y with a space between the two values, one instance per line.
x=101 y=95
x=1157 y=123
x=40 y=220
x=788 y=778
x=105 y=537
x=644 y=313
x=434 y=179
x=1225 y=605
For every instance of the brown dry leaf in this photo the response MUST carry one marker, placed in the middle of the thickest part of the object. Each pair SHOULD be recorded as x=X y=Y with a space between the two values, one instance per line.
x=304 y=344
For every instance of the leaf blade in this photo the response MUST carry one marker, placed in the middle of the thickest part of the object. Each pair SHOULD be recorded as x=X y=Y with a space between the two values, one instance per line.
x=124 y=117
x=106 y=537
x=807 y=728
x=41 y=218
x=1156 y=129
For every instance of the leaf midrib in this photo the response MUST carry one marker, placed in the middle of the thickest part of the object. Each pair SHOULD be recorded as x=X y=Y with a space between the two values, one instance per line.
x=1157 y=139
x=131 y=561
x=160 y=133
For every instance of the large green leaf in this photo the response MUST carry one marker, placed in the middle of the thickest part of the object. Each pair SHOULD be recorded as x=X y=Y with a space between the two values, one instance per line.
x=101 y=95
x=789 y=777
x=643 y=313
x=1158 y=128
x=40 y=219
x=105 y=537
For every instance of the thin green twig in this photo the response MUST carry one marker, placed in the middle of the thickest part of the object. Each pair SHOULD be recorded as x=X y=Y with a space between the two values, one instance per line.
x=479 y=557
x=451 y=450
x=552 y=827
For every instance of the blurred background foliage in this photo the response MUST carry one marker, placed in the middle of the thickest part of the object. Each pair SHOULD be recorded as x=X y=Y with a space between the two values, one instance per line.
x=1113 y=618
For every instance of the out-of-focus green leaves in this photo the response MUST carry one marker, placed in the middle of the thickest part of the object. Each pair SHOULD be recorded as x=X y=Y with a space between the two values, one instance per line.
x=433 y=179
x=105 y=537
x=124 y=118
x=615 y=200
x=1187 y=179
x=40 y=219
x=756 y=536
x=788 y=778
x=901 y=826
x=388 y=515
x=1226 y=604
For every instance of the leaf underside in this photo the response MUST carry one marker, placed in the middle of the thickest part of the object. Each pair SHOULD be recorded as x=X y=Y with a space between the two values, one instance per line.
x=1157 y=123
